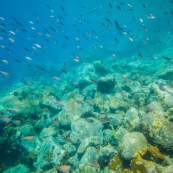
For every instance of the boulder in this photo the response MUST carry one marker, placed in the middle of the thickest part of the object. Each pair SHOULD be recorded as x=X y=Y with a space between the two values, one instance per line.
x=131 y=144
x=90 y=90
x=164 y=93
x=106 y=84
x=117 y=102
x=89 y=157
x=49 y=155
x=89 y=141
x=131 y=119
x=159 y=129
x=166 y=74
x=90 y=128
x=72 y=110
x=52 y=103
x=101 y=68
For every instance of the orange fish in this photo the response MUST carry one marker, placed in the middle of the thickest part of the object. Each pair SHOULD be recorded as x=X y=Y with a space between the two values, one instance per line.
x=126 y=79
x=55 y=122
x=124 y=94
x=64 y=168
x=91 y=102
x=27 y=83
x=28 y=138
x=94 y=81
x=57 y=78
x=96 y=165
x=56 y=101
x=16 y=122
x=5 y=73
x=5 y=119
x=60 y=103
x=75 y=83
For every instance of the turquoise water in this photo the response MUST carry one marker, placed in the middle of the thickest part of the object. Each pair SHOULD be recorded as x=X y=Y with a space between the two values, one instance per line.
x=107 y=65
x=76 y=21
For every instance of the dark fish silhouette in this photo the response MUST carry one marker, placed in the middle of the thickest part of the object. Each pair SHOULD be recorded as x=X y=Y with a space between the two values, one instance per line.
x=17 y=60
x=167 y=58
x=62 y=8
x=66 y=37
x=17 y=22
x=4 y=31
x=24 y=30
x=117 y=25
x=26 y=49
x=63 y=70
x=53 y=29
x=110 y=5
x=107 y=20
x=118 y=7
x=40 y=68
x=48 y=6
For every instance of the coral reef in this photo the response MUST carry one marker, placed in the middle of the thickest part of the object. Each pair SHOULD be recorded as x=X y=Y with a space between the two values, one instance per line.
x=108 y=121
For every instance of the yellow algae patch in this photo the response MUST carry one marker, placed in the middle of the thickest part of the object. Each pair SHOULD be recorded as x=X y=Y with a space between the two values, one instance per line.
x=156 y=153
x=139 y=165
x=115 y=163
x=157 y=124
x=140 y=153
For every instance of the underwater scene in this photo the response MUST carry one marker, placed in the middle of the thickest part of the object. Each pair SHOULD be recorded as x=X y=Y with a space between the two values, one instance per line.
x=86 y=86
